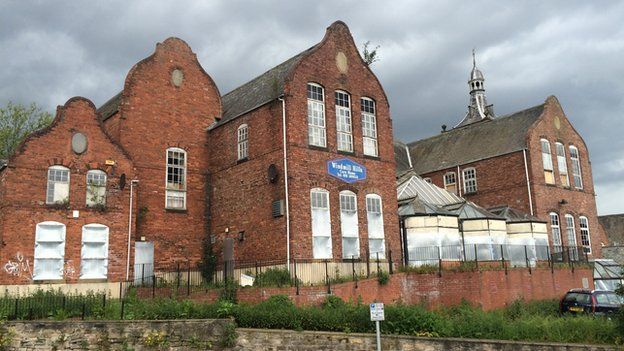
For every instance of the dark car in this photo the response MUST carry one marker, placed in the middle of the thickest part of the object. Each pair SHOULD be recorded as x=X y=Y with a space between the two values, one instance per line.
x=590 y=301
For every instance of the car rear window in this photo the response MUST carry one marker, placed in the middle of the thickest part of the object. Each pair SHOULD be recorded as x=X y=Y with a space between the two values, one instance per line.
x=577 y=297
x=608 y=299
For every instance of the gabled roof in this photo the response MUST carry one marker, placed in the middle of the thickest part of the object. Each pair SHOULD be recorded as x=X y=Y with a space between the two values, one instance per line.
x=401 y=157
x=470 y=210
x=481 y=140
x=614 y=228
x=110 y=107
x=415 y=206
x=258 y=91
x=411 y=185
x=514 y=215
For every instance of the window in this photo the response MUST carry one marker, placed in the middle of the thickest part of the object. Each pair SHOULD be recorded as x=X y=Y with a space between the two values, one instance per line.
x=316 y=115
x=176 y=179
x=585 y=241
x=570 y=230
x=556 y=231
x=49 y=251
x=561 y=164
x=58 y=185
x=450 y=182
x=547 y=162
x=428 y=180
x=343 y=121
x=369 y=126
x=96 y=188
x=94 y=253
x=349 y=225
x=243 y=142
x=321 y=224
x=470 y=180
x=576 y=167
x=374 y=216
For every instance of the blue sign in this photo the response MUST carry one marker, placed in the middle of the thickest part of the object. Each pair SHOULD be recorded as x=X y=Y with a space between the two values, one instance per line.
x=346 y=170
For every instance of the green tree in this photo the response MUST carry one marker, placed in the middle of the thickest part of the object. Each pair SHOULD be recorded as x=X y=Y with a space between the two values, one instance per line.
x=16 y=122
x=370 y=55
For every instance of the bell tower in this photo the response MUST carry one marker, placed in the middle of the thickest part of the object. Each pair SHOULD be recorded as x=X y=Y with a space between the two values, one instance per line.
x=478 y=109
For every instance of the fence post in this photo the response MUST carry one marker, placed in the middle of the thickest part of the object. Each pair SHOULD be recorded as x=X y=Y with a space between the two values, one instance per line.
x=83 y=308
x=142 y=274
x=63 y=300
x=390 y=268
x=503 y=259
x=188 y=280
x=296 y=277
x=476 y=257
x=123 y=303
x=526 y=258
x=154 y=286
x=256 y=265
x=353 y=271
x=16 y=307
x=120 y=293
x=571 y=260
x=439 y=262
x=585 y=252
x=327 y=278
x=378 y=267
x=104 y=300
x=178 y=277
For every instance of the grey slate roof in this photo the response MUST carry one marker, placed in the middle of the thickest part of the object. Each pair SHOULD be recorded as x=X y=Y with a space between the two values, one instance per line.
x=110 y=107
x=259 y=91
x=401 y=157
x=470 y=210
x=474 y=142
x=614 y=228
x=514 y=215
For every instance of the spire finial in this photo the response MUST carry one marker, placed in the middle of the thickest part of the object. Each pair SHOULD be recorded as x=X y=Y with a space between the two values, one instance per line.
x=474 y=61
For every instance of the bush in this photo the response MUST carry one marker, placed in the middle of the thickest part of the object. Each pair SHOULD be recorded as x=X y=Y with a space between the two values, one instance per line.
x=383 y=278
x=277 y=277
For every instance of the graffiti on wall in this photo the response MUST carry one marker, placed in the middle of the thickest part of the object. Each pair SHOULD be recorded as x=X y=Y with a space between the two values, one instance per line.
x=19 y=266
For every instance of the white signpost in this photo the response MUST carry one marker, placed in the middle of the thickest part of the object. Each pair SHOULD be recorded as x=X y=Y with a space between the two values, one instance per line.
x=377 y=315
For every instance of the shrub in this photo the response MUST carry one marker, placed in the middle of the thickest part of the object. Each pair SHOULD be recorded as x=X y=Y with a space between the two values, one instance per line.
x=278 y=277
x=383 y=278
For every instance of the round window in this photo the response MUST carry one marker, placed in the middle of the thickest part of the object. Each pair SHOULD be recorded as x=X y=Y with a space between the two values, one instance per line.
x=79 y=143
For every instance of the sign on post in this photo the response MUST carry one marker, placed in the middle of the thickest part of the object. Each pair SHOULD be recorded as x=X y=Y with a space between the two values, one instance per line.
x=377 y=315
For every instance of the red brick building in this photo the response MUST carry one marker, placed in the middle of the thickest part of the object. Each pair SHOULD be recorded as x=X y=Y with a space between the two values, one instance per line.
x=293 y=164
x=532 y=160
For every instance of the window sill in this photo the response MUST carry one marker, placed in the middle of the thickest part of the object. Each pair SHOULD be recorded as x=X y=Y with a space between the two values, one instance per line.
x=49 y=281
x=376 y=158
x=93 y=280
x=319 y=148
x=241 y=160
x=176 y=210
x=469 y=193
x=350 y=153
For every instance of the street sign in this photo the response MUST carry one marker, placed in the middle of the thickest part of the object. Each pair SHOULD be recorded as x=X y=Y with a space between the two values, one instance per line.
x=377 y=311
x=346 y=170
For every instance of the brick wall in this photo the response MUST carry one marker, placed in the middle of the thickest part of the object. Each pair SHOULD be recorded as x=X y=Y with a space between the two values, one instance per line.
x=25 y=181
x=554 y=126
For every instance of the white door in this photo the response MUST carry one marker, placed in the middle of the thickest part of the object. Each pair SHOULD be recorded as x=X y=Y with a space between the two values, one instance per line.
x=143 y=262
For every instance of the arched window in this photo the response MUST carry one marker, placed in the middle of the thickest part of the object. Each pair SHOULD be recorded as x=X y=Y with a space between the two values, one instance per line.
x=94 y=252
x=96 y=188
x=58 y=185
x=547 y=162
x=585 y=239
x=49 y=251
x=450 y=182
x=576 y=167
x=175 y=187
x=369 y=126
x=349 y=225
x=243 y=141
x=374 y=216
x=562 y=164
x=321 y=223
x=572 y=243
x=470 y=180
x=344 y=130
x=316 y=115
x=556 y=231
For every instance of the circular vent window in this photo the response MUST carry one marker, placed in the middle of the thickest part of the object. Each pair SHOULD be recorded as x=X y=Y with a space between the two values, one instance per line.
x=177 y=76
x=79 y=143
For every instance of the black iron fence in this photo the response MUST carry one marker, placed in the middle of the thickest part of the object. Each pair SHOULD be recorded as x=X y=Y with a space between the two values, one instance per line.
x=53 y=305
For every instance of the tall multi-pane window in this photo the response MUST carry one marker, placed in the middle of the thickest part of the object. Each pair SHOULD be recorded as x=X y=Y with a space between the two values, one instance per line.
x=349 y=225
x=585 y=240
x=374 y=216
x=175 y=187
x=344 y=130
x=576 y=167
x=470 y=180
x=49 y=251
x=94 y=252
x=369 y=126
x=316 y=115
x=243 y=141
x=547 y=162
x=562 y=165
x=571 y=234
x=556 y=231
x=96 y=188
x=450 y=182
x=321 y=223
x=58 y=185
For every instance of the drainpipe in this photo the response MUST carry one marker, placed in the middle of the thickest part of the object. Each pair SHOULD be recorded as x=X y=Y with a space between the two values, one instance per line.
x=526 y=171
x=132 y=182
x=458 y=182
x=286 y=181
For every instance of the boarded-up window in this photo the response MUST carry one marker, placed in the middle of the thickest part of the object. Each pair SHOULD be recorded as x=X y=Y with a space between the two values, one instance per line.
x=450 y=182
x=547 y=163
x=374 y=216
x=321 y=224
x=94 y=253
x=349 y=225
x=49 y=251
x=562 y=165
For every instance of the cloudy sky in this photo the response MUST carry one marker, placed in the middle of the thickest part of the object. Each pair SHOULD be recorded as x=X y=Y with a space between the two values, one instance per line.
x=528 y=50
